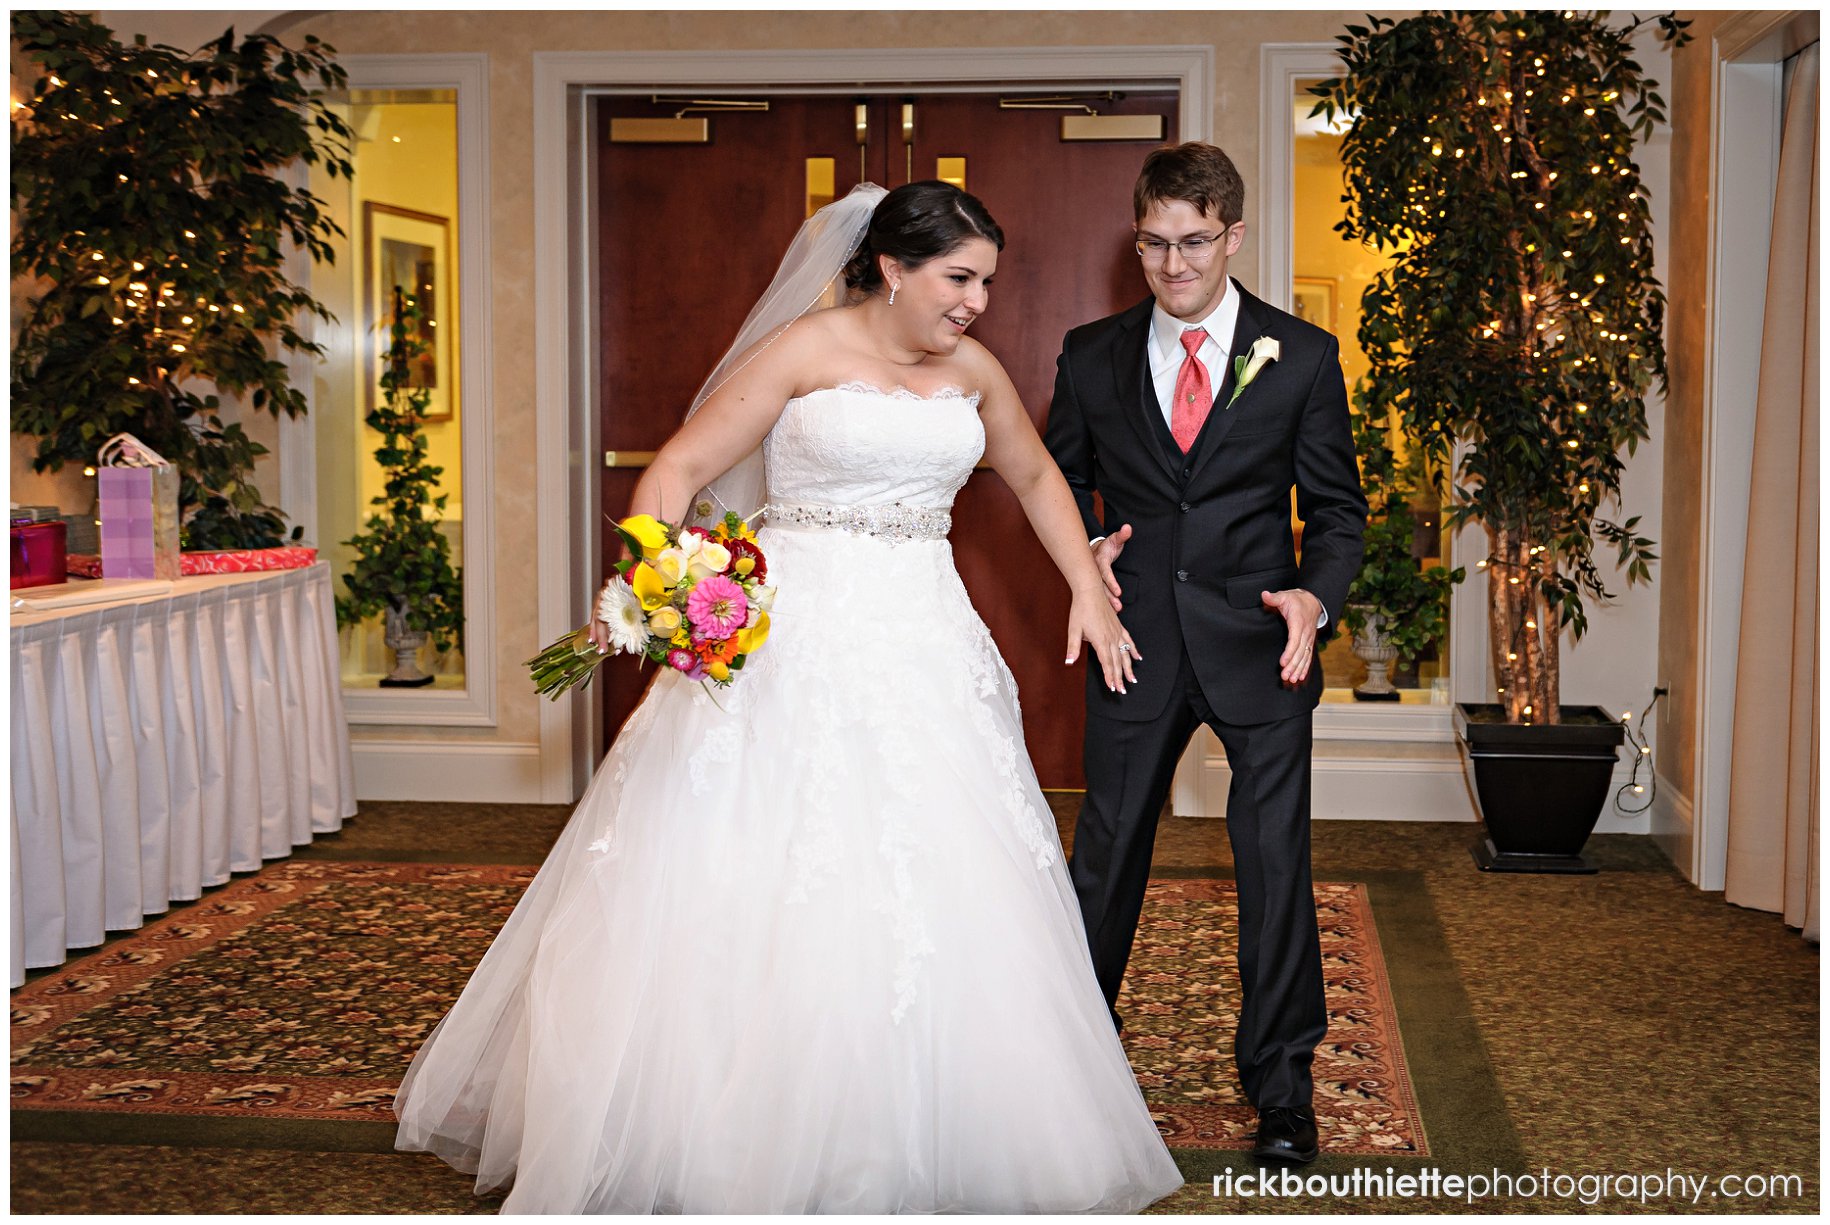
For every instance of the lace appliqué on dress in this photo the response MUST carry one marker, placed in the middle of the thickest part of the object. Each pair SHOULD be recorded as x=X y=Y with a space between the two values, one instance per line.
x=986 y=674
x=905 y=393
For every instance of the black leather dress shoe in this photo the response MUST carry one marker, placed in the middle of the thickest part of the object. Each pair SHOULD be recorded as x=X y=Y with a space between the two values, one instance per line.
x=1286 y=1133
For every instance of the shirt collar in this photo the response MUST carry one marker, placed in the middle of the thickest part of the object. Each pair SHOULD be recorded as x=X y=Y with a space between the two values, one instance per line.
x=1166 y=330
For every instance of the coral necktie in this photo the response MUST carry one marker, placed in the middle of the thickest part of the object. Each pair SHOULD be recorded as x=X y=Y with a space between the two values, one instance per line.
x=1194 y=394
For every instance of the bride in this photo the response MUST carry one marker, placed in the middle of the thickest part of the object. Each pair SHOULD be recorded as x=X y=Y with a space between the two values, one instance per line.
x=811 y=947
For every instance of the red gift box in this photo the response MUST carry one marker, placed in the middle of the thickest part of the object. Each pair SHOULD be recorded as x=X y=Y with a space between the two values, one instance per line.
x=241 y=561
x=38 y=553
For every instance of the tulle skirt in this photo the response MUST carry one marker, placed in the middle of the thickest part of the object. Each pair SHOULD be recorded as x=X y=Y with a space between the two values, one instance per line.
x=806 y=945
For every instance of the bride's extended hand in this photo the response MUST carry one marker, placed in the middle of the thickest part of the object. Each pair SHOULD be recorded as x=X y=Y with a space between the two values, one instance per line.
x=1091 y=620
x=599 y=632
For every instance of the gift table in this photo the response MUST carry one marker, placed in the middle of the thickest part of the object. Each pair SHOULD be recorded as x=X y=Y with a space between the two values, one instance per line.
x=182 y=731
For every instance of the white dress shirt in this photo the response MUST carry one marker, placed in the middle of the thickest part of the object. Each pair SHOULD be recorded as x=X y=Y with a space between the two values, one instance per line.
x=1166 y=353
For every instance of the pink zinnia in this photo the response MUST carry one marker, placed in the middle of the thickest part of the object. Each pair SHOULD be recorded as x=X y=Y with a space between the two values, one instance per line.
x=684 y=661
x=717 y=608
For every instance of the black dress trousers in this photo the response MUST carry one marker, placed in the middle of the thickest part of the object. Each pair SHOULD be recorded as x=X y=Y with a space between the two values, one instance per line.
x=1130 y=766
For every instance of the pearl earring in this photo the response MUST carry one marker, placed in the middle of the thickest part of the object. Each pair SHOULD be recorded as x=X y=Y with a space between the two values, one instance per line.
x=892 y=295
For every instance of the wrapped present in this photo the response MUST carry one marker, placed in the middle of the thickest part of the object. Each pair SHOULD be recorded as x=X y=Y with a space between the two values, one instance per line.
x=38 y=546
x=242 y=561
x=231 y=561
x=137 y=502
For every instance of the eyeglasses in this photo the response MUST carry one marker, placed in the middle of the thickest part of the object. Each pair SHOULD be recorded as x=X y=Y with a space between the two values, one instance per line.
x=1196 y=250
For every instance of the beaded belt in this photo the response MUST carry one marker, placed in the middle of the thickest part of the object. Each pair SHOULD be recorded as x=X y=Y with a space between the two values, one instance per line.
x=894 y=522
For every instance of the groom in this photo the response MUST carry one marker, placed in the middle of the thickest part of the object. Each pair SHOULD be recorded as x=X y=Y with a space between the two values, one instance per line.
x=1191 y=416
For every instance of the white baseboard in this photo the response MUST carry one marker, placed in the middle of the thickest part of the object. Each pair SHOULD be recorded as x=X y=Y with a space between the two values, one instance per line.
x=1353 y=781
x=1674 y=827
x=451 y=771
x=1367 y=780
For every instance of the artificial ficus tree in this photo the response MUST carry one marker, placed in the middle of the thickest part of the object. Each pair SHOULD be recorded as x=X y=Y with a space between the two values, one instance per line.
x=1517 y=330
x=152 y=208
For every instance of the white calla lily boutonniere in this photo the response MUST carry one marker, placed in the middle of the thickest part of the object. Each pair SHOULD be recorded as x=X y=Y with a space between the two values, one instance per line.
x=1264 y=351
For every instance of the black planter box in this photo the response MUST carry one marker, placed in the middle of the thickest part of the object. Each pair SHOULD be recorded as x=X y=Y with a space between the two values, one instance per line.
x=1541 y=787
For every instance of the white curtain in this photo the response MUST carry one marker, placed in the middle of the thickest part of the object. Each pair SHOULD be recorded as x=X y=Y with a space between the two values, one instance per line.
x=1772 y=817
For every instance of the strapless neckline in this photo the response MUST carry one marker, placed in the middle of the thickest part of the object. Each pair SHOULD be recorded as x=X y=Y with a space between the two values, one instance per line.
x=898 y=393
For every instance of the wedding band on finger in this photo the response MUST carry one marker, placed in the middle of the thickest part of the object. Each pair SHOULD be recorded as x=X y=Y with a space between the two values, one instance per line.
x=1127 y=648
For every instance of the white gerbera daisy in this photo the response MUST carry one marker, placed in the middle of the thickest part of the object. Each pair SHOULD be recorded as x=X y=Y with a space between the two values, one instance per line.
x=620 y=609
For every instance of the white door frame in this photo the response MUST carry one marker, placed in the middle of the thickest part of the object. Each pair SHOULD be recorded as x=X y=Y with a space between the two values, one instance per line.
x=564 y=389
x=1748 y=104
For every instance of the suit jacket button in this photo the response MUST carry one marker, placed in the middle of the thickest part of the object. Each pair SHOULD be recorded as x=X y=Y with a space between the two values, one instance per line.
x=1181 y=576
x=1185 y=508
x=1185 y=473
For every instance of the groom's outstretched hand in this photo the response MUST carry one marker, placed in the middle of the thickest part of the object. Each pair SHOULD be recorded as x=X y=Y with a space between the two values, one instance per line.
x=1104 y=554
x=1300 y=612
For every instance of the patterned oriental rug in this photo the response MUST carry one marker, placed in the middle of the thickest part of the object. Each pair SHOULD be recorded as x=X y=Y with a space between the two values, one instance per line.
x=303 y=992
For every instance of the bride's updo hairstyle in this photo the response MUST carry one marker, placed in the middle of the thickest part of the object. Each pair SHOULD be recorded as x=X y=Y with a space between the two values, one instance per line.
x=916 y=223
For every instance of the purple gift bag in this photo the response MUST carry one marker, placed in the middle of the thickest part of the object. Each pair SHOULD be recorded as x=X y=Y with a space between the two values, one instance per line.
x=137 y=502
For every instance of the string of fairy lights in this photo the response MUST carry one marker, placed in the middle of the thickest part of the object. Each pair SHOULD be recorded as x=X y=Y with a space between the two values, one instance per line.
x=152 y=302
x=1558 y=300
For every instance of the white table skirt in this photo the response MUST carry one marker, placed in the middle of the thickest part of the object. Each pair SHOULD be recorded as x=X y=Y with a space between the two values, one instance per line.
x=161 y=744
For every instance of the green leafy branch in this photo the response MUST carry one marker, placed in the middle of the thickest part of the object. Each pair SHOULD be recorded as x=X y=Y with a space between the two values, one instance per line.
x=403 y=560
x=153 y=218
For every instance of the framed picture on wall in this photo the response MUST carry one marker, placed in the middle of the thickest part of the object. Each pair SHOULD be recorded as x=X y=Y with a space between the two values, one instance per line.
x=1312 y=300
x=410 y=250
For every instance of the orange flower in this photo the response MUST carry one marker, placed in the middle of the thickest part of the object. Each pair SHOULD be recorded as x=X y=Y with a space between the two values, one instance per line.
x=717 y=652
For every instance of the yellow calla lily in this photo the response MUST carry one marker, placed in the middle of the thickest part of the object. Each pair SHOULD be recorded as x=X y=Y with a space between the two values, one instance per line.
x=749 y=639
x=648 y=586
x=648 y=531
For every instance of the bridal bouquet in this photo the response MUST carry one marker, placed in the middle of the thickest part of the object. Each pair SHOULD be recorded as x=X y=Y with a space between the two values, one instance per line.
x=690 y=598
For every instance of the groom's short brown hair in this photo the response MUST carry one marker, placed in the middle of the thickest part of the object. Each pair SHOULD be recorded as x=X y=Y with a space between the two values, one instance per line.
x=1197 y=172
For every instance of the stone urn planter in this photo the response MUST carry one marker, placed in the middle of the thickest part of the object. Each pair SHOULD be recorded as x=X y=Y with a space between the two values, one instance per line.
x=1374 y=648
x=406 y=644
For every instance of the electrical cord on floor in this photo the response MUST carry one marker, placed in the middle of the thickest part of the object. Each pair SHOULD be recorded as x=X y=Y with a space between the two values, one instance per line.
x=1642 y=756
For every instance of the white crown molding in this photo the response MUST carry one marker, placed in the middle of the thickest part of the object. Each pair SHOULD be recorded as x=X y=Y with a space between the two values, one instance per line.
x=1769 y=35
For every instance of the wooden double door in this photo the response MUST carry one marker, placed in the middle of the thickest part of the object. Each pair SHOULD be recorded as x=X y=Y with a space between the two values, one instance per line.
x=689 y=235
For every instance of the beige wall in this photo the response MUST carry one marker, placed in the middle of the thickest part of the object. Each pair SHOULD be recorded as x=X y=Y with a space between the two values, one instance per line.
x=1686 y=341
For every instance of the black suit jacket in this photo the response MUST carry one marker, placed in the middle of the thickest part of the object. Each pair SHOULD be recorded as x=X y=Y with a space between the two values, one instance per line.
x=1211 y=529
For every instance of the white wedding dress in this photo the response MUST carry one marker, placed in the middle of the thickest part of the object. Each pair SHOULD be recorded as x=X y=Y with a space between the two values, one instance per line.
x=809 y=947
